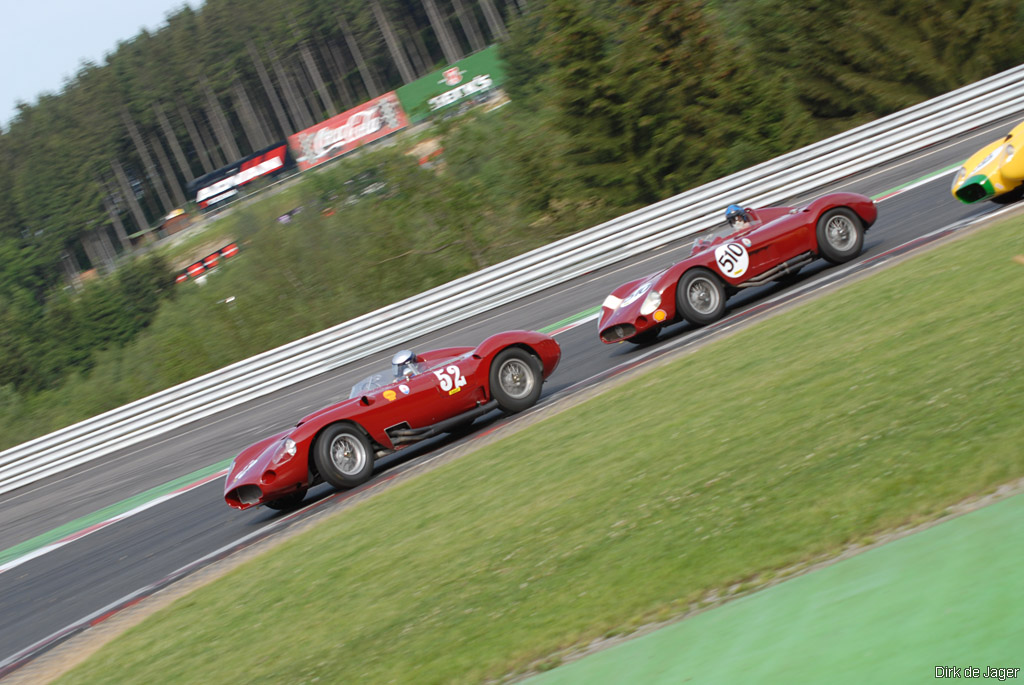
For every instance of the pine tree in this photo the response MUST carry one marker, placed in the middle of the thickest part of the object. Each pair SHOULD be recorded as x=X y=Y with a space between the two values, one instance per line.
x=587 y=103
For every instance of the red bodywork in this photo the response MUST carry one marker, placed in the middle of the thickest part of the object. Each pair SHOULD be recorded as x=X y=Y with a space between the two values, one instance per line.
x=777 y=236
x=266 y=471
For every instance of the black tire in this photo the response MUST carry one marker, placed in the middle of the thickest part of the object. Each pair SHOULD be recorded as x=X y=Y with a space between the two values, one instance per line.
x=700 y=297
x=287 y=502
x=1010 y=197
x=840 y=235
x=343 y=455
x=645 y=338
x=515 y=379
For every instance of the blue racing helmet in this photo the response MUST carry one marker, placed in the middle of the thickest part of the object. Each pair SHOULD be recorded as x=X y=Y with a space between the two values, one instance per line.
x=734 y=213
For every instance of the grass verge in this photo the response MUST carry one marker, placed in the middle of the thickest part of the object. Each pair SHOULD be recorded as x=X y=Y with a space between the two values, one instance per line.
x=877 y=406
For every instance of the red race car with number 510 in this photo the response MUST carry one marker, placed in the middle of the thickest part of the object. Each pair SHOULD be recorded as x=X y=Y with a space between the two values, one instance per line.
x=756 y=247
x=423 y=395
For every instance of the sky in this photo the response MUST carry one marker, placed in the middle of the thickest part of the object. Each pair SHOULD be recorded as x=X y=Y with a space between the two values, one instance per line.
x=44 y=42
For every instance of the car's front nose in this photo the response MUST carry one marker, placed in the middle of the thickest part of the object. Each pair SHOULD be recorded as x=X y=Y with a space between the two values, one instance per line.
x=975 y=189
x=253 y=477
x=632 y=319
x=618 y=332
x=244 y=496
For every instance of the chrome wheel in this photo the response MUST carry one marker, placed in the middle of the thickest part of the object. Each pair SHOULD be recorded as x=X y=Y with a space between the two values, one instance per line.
x=348 y=454
x=516 y=378
x=702 y=295
x=841 y=232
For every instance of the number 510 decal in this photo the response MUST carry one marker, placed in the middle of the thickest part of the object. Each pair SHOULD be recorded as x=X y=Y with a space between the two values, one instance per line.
x=451 y=379
x=732 y=259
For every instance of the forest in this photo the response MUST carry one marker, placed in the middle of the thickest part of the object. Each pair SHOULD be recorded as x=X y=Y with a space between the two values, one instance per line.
x=614 y=104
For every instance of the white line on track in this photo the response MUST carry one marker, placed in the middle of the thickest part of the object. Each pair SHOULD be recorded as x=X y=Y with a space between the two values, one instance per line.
x=89 y=530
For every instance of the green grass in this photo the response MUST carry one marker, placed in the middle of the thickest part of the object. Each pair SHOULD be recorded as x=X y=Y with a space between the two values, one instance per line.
x=873 y=407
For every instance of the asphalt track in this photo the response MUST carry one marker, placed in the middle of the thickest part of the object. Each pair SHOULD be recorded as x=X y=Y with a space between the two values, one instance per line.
x=910 y=611
x=48 y=597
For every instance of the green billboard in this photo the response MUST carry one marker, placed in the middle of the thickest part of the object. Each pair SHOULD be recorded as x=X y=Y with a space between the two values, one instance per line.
x=468 y=80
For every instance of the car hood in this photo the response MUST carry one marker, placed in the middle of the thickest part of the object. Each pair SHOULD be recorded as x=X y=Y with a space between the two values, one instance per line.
x=980 y=178
x=351 y=402
x=986 y=160
x=254 y=460
x=631 y=298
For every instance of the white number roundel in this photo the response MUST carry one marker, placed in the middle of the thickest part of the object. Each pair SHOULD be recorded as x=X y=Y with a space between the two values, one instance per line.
x=636 y=294
x=732 y=259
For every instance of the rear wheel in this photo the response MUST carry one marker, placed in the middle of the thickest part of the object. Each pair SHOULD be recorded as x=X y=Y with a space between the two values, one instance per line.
x=515 y=379
x=840 y=235
x=700 y=296
x=343 y=456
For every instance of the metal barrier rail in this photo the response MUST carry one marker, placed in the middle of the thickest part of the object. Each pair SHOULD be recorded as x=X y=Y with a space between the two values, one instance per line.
x=800 y=172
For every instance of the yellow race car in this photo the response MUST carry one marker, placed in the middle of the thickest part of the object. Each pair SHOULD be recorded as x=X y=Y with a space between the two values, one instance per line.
x=995 y=172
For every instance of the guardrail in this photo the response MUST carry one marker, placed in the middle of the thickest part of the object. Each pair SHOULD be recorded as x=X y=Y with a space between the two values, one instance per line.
x=800 y=172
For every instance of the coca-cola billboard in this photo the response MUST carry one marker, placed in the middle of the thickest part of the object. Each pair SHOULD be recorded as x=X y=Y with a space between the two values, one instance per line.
x=347 y=131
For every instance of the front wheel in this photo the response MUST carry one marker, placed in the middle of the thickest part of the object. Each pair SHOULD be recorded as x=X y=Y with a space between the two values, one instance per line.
x=343 y=456
x=840 y=235
x=515 y=379
x=1010 y=197
x=288 y=502
x=645 y=338
x=700 y=296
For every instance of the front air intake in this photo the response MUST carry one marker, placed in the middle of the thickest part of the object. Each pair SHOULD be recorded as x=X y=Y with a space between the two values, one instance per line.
x=245 y=495
x=971 y=192
x=618 y=332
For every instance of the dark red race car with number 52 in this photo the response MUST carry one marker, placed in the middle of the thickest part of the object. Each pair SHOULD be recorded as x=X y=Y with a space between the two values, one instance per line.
x=756 y=247
x=423 y=395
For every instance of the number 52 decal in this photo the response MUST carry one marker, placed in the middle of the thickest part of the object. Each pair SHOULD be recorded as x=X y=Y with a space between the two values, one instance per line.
x=451 y=379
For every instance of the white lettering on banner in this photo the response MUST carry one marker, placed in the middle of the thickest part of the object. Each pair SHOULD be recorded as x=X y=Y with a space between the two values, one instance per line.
x=479 y=83
x=241 y=178
x=359 y=125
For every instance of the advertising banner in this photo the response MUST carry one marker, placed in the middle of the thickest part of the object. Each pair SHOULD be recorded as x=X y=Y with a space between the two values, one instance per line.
x=223 y=183
x=347 y=131
x=467 y=81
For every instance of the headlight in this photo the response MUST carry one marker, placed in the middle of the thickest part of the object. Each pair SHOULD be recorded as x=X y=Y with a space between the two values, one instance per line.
x=959 y=177
x=289 y=446
x=1009 y=153
x=611 y=302
x=651 y=302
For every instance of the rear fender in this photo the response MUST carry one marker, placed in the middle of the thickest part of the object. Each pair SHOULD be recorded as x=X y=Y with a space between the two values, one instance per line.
x=864 y=207
x=540 y=345
x=1013 y=170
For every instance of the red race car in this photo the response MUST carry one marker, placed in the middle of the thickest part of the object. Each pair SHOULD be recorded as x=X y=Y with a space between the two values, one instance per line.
x=422 y=395
x=757 y=246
